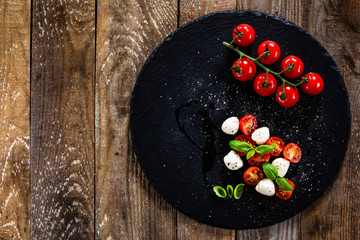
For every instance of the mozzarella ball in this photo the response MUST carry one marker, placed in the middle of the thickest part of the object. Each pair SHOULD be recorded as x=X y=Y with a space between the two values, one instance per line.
x=230 y=126
x=233 y=161
x=282 y=166
x=260 y=135
x=266 y=187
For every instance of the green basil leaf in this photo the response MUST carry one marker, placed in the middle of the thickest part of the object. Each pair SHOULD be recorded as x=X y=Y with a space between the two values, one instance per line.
x=270 y=171
x=283 y=184
x=263 y=149
x=238 y=191
x=250 y=154
x=240 y=146
x=220 y=192
x=230 y=191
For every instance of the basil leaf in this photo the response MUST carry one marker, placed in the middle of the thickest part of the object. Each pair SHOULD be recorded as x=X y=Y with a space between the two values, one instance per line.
x=283 y=184
x=238 y=191
x=250 y=154
x=270 y=171
x=240 y=146
x=230 y=191
x=263 y=149
x=220 y=192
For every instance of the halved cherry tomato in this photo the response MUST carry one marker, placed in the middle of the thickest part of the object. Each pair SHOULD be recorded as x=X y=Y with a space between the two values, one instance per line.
x=287 y=97
x=259 y=159
x=245 y=35
x=272 y=56
x=279 y=143
x=248 y=124
x=284 y=194
x=296 y=70
x=263 y=88
x=313 y=85
x=247 y=139
x=244 y=71
x=292 y=152
x=253 y=175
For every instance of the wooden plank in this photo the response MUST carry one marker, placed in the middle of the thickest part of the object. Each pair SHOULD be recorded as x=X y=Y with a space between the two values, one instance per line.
x=288 y=229
x=290 y=10
x=127 y=207
x=336 y=215
x=62 y=119
x=15 y=119
x=187 y=227
x=191 y=229
x=191 y=9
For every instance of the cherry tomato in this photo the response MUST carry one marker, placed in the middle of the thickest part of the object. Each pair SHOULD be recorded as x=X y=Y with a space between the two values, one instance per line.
x=246 y=139
x=288 y=97
x=284 y=194
x=265 y=88
x=279 y=143
x=292 y=153
x=253 y=175
x=272 y=56
x=245 y=34
x=248 y=124
x=296 y=70
x=244 y=71
x=313 y=85
x=259 y=159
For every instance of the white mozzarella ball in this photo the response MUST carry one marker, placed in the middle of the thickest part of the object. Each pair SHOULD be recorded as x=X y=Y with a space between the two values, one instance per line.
x=230 y=126
x=260 y=135
x=282 y=166
x=233 y=161
x=266 y=187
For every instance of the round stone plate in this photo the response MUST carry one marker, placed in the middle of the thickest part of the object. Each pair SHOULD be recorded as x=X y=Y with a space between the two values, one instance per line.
x=185 y=91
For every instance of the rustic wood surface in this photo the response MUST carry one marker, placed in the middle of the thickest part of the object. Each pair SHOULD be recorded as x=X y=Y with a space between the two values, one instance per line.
x=15 y=196
x=67 y=71
x=62 y=119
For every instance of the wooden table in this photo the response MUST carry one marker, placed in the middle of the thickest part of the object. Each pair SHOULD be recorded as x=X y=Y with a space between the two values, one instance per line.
x=67 y=71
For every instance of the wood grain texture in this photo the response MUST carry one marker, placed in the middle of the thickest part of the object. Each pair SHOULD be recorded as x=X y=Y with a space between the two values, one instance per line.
x=336 y=215
x=288 y=229
x=127 y=207
x=191 y=229
x=15 y=119
x=187 y=227
x=62 y=119
x=290 y=10
x=191 y=9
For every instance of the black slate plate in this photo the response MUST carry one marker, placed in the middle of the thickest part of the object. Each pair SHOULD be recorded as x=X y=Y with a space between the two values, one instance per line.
x=185 y=91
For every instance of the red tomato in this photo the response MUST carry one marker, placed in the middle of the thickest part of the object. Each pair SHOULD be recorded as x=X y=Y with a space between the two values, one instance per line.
x=253 y=175
x=245 y=34
x=247 y=139
x=313 y=85
x=259 y=159
x=288 y=97
x=244 y=71
x=278 y=142
x=292 y=152
x=272 y=56
x=265 y=88
x=284 y=194
x=296 y=70
x=248 y=124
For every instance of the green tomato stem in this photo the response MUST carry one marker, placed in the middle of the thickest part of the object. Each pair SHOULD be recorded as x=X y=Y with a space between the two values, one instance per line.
x=238 y=35
x=256 y=61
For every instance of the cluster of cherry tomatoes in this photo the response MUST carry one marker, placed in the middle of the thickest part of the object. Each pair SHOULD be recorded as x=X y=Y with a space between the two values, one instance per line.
x=265 y=84
x=254 y=174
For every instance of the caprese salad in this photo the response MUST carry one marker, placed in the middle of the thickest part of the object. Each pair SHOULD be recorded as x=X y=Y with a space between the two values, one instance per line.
x=258 y=147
